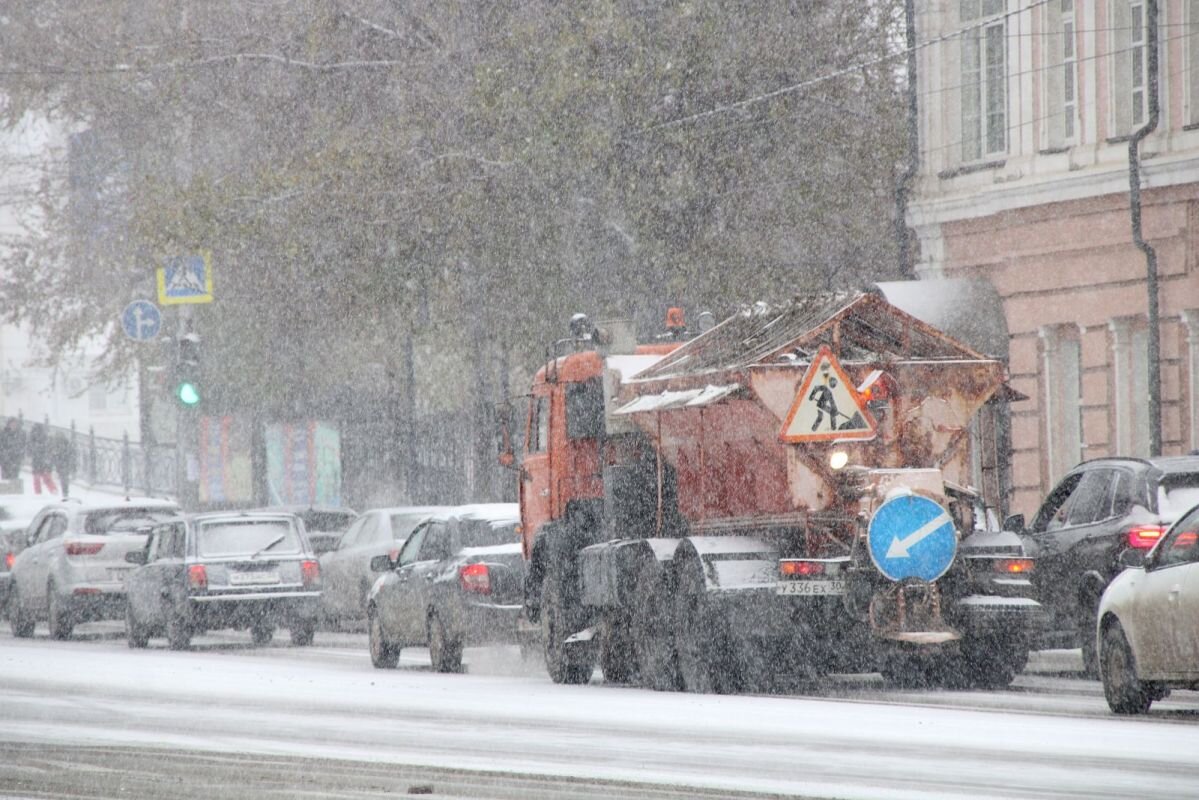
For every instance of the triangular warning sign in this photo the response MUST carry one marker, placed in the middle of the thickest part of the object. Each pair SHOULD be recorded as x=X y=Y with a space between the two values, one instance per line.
x=827 y=407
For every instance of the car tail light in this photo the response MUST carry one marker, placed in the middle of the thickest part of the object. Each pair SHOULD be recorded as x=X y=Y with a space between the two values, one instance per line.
x=475 y=578
x=197 y=577
x=83 y=548
x=1143 y=537
x=310 y=572
x=8 y=559
x=1013 y=566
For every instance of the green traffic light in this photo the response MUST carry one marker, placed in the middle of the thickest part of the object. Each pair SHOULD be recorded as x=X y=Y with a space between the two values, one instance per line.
x=188 y=394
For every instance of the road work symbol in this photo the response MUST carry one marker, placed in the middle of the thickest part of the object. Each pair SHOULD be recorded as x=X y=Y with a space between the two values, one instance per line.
x=827 y=408
x=912 y=537
x=186 y=279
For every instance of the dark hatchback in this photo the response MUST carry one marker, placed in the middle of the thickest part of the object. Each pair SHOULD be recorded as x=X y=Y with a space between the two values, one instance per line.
x=458 y=581
x=251 y=570
x=1100 y=509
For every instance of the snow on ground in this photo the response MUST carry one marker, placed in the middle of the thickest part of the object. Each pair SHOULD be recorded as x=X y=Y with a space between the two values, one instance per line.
x=329 y=702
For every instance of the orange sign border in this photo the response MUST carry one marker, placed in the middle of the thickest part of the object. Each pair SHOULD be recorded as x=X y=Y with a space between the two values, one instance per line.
x=809 y=376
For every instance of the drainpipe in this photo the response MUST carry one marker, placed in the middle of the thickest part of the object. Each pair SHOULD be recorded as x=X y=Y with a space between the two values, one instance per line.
x=1134 y=202
x=903 y=188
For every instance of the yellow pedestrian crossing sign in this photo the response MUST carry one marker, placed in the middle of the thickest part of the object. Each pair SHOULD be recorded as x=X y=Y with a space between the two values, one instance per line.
x=186 y=279
x=827 y=408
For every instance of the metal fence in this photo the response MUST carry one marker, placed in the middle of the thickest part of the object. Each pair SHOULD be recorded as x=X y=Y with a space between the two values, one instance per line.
x=106 y=463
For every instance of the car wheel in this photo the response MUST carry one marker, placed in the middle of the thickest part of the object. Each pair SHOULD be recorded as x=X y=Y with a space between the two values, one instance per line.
x=302 y=633
x=21 y=621
x=261 y=633
x=1086 y=635
x=384 y=654
x=566 y=664
x=58 y=615
x=179 y=635
x=1124 y=692
x=444 y=652
x=135 y=633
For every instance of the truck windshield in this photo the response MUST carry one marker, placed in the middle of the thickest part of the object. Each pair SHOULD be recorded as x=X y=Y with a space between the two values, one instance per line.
x=585 y=410
x=245 y=537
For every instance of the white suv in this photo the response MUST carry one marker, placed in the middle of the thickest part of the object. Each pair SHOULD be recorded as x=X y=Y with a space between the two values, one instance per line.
x=72 y=568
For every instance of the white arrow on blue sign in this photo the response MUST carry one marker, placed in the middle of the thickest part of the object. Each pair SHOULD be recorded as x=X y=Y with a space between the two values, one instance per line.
x=141 y=320
x=912 y=537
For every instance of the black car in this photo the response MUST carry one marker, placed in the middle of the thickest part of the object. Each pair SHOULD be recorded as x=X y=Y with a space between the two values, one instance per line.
x=458 y=581
x=1097 y=511
x=251 y=570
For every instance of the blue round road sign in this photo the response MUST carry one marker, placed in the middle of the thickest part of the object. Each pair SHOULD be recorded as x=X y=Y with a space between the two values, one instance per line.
x=912 y=537
x=141 y=320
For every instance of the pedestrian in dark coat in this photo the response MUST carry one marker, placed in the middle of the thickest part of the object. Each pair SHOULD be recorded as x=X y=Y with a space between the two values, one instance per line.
x=62 y=453
x=12 y=449
x=39 y=459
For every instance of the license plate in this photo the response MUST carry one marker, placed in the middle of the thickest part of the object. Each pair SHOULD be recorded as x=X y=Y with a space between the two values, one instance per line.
x=117 y=575
x=810 y=588
x=252 y=578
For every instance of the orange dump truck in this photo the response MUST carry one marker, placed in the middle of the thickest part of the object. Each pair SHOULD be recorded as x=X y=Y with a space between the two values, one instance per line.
x=782 y=496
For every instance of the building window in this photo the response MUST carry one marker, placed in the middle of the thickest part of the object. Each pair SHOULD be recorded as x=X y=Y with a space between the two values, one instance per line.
x=1129 y=83
x=1130 y=383
x=984 y=78
x=1062 y=416
x=1061 y=73
x=1192 y=48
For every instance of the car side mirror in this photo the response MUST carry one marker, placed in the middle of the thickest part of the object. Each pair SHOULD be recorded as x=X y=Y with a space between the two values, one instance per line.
x=382 y=564
x=136 y=556
x=1133 y=558
x=1014 y=523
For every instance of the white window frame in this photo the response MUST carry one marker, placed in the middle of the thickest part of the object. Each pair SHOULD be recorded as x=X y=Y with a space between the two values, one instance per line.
x=985 y=77
x=1069 y=27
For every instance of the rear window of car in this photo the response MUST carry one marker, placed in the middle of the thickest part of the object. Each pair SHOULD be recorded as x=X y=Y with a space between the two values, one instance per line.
x=124 y=520
x=246 y=537
x=1176 y=494
x=402 y=525
x=487 y=534
x=326 y=521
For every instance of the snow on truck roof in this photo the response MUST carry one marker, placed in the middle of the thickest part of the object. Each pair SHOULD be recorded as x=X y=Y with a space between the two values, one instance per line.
x=866 y=326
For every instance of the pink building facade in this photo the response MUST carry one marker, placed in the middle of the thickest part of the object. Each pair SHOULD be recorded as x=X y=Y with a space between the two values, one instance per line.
x=1026 y=108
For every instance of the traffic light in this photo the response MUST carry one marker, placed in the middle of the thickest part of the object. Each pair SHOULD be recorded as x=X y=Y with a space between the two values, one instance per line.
x=187 y=371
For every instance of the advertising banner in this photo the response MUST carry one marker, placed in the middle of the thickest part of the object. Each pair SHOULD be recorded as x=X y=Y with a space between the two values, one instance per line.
x=224 y=473
x=303 y=463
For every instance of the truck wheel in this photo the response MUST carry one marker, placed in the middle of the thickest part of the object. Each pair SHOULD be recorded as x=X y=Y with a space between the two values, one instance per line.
x=384 y=654
x=444 y=652
x=179 y=635
x=19 y=618
x=992 y=662
x=566 y=664
x=617 y=657
x=58 y=615
x=700 y=639
x=303 y=632
x=135 y=633
x=261 y=633
x=653 y=641
x=1125 y=693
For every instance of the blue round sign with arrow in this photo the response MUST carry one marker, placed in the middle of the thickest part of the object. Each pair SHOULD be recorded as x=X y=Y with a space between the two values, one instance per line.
x=141 y=320
x=912 y=537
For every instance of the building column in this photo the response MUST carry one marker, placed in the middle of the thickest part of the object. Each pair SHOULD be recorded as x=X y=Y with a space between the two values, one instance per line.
x=1190 y=319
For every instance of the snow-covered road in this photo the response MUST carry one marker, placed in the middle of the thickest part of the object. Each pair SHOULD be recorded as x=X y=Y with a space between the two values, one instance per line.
x=1051 y=736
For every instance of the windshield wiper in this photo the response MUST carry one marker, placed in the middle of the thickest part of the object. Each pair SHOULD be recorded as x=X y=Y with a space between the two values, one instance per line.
x=273 y=542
